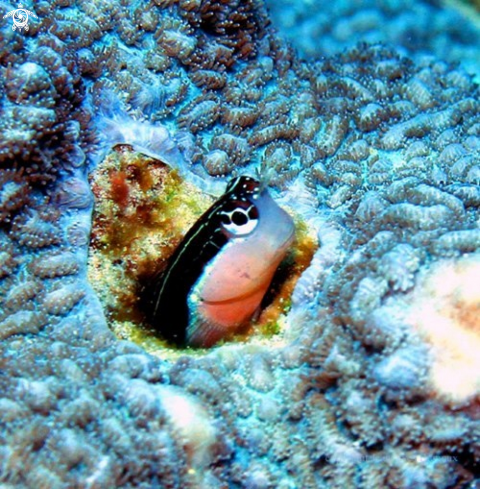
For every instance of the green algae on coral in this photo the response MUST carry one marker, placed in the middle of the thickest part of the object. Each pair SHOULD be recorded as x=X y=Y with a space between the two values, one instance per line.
x=142 y=208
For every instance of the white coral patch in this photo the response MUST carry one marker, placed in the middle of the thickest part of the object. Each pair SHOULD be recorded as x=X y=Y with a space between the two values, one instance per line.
x=446 y=311
x=330 y=252
x=192 y=423
x=403 y=369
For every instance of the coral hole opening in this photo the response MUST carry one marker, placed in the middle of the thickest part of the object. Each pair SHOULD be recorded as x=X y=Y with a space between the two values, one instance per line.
x=143 y=209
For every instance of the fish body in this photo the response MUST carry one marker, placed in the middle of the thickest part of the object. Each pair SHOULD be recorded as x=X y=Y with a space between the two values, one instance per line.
x=217 y=277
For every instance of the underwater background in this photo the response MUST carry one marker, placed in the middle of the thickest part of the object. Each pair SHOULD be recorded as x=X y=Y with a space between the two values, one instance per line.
x=363 y=120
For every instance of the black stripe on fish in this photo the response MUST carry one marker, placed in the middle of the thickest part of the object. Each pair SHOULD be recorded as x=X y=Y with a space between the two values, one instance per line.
x=165 y=300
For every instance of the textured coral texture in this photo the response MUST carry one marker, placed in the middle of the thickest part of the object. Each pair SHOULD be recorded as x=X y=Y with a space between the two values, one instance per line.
x=449 y=29
x=372 y=382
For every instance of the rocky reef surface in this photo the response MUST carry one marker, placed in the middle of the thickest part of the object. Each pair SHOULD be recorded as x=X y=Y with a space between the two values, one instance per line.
x=373 y=382
x=448 y=30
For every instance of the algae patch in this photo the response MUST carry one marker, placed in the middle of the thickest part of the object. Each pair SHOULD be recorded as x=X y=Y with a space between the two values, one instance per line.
x=142 y=210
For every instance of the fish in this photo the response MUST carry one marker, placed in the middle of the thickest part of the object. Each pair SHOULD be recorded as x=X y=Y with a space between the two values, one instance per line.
x=216 y=278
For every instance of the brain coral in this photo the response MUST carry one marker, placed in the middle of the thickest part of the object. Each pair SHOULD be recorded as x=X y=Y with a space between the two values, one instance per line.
x=448 y=30
x=378 y=153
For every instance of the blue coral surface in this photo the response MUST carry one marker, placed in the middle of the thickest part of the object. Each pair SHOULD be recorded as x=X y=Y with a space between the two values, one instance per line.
x=374 y=380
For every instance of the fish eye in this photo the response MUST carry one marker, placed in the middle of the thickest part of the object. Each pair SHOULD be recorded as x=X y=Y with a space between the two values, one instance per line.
x=239 y=218
x=239 y=221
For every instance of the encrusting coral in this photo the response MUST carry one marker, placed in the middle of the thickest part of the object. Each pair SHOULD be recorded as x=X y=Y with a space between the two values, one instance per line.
x=378 y=154
x=448 y=30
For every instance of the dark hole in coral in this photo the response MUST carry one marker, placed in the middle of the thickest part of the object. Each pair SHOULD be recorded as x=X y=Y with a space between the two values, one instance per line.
x=466 y=459
x=372 y=349
x=321 y=462
x=387 y=404
x=377 y=447
x=346 y=428
x=284 y=270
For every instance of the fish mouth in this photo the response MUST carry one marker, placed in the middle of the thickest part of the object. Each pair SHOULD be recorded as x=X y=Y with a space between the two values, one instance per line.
x=285 y=244
x=289 y=239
